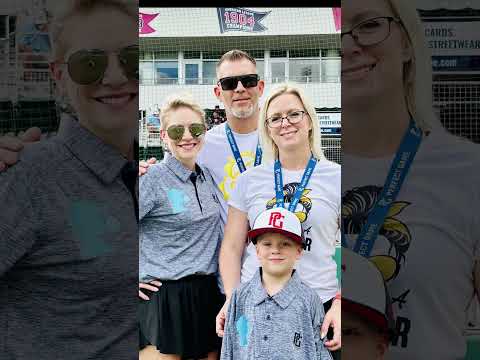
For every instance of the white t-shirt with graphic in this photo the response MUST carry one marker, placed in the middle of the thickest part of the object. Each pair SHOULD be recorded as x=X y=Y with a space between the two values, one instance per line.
x=217 y=156
x=318 y=210
x=432 y=235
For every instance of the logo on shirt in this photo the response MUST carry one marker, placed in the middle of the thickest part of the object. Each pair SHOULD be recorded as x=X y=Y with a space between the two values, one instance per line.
x=231 y=172
x=243 y=328
x=297 y=339
x=391 y=246
x=276 y=220
x=177 y=199
x=93 y=227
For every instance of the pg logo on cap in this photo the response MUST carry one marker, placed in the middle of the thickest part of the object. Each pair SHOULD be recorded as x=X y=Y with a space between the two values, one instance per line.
x=276 y=220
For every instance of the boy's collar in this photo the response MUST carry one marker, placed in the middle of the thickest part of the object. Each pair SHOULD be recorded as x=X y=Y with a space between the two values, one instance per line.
x=283 y=298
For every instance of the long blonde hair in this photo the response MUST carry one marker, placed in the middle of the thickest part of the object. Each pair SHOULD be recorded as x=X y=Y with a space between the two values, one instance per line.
x=417 y=73
x=270 y=149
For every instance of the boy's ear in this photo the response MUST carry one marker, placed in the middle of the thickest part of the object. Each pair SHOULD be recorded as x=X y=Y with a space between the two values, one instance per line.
x=299 y=251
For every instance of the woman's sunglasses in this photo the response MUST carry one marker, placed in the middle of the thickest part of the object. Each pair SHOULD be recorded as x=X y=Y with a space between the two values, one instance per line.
x=88 y=66
x=175 y=132
x=231 y=82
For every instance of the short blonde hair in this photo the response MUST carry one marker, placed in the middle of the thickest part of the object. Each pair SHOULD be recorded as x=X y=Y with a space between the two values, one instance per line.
x=270 y=149
x=417 y=73
x=176 y=101
x=71 y=8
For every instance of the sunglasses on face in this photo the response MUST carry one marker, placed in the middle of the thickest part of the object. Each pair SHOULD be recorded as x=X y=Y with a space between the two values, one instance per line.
x=231 y=82
x=88 y=66
x=175 y=132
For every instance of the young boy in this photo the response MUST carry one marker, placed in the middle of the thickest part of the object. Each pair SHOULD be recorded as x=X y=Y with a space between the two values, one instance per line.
x=367 y=319
x=275 y=315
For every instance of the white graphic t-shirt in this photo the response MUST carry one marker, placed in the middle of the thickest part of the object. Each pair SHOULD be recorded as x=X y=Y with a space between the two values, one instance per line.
x=430 y=237
x=217 y=156
x=318 y=210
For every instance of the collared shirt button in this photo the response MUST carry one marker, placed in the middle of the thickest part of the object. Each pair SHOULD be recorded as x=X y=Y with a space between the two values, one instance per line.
x=265 y=338
x=268 y=317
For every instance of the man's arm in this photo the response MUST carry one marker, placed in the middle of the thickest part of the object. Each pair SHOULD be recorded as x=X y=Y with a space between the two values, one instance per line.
x=11 y=146
x=231 y=252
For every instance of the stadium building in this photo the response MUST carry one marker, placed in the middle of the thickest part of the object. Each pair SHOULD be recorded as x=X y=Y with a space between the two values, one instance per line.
x=179 y=48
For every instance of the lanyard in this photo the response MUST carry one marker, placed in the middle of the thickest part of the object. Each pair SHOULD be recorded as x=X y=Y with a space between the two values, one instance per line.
x=236 y=152
x=397 y=174
x=298 y=194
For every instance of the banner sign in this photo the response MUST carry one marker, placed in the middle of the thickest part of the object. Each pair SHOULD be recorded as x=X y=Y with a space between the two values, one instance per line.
x=240 y=19
x=453 y=42
x=143 y=23
x=330 y=123
x=337 y=18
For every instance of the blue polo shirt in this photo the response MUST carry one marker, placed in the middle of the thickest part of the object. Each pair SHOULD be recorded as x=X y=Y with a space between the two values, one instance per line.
x=285 y=326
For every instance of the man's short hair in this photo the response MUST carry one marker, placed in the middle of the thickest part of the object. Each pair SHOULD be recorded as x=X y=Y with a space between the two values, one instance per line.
x=235 y=55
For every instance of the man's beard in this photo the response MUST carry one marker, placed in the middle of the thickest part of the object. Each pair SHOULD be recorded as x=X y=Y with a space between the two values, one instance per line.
x=244 y=114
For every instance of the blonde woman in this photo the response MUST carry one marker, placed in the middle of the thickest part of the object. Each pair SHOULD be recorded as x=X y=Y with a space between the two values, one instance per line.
x=427 y=238
x=68 y=258
x=180 y=232
x=295 y=175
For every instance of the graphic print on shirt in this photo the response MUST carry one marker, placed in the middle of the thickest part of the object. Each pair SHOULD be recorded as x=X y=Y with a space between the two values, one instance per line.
x=303 y=208
x=92 y=226
x=177 y=199
x=391 y=245
x=243 y=329
x=231 y=172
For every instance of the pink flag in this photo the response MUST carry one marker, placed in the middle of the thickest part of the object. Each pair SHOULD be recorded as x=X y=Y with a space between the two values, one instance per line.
x=337 y=18
x=143 y=21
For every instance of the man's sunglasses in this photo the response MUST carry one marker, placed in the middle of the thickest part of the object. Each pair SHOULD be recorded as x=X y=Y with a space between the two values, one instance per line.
x=175 y=132
x=231 y=82
x=88 y=66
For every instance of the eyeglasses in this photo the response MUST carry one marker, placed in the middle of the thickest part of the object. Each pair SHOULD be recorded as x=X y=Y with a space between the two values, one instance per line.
x=293 y=117
x=231 y=82
x=372 y=31
x=175 y=132
x=88 y=66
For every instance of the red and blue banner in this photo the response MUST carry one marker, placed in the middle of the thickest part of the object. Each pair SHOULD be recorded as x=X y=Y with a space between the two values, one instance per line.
x=143 y=23
x=240 y=19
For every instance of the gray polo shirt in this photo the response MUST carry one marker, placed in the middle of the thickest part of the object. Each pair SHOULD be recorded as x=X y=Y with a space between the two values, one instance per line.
x=180 y=224
x=68 y=252
x=285 y=326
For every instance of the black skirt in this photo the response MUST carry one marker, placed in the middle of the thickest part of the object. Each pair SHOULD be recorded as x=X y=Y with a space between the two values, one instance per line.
x=180 y=318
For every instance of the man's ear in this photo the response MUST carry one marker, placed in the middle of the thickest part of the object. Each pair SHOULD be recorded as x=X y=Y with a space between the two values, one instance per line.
x=217 y=92
x=261 y=87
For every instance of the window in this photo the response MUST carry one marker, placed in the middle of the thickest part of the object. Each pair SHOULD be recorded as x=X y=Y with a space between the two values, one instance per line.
x=331 y=65
x=260 y=68
x=298 y=53
x=304 y=70
x=191 y=55
x=146 y=72
x=209 y=72
x=166 y=72
x=278 y=53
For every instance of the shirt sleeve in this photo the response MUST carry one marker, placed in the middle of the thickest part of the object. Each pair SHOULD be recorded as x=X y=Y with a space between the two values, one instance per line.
x=18 y=222
x=322 y=352
x=147 y=193
x=229 y=330
x=238 y=196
